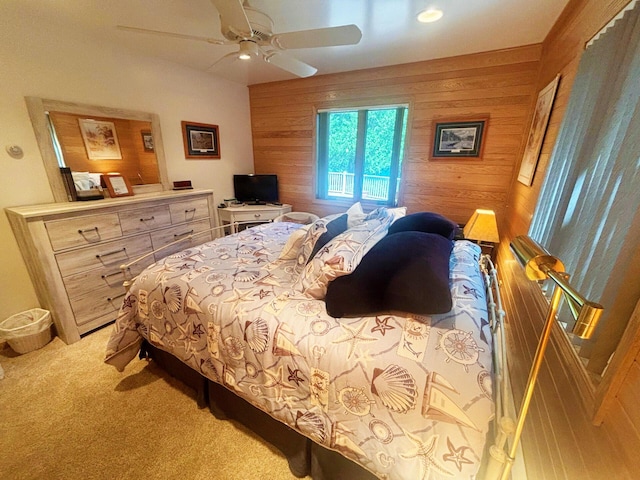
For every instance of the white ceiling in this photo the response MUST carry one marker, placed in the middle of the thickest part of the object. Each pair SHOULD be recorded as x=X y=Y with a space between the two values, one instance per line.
x=390 y=33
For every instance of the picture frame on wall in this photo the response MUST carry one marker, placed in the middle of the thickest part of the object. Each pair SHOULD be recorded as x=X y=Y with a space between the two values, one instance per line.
x=100 y=139
x=201 y=140
x=117 y=185
x=537 y=131
x=147 y=141
x=458 y=139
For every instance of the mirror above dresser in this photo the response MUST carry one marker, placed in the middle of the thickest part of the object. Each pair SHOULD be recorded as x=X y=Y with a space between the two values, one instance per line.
x=133 y=149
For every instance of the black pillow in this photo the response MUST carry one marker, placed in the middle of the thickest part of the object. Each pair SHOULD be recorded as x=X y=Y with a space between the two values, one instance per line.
x=334 y=228
x=407 y=271
x=427 y=222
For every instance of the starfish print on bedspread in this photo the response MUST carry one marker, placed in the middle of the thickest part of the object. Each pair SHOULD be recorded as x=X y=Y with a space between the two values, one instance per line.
x=347 y=241
x=353 y=336
x=294 y=375
x=456 y=455
x=426 y=453
x=277 y=383
x=262 y=293
x=238 y=297
x=382 y=325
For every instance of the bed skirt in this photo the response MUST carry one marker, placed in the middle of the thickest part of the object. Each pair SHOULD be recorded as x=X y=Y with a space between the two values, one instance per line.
x=305 y=457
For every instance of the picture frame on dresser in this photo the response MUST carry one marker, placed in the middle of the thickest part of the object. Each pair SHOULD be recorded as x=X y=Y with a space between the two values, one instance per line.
x=117 y=185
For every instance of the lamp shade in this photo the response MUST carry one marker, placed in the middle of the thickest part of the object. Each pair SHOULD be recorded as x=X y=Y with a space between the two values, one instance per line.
x=482 y=226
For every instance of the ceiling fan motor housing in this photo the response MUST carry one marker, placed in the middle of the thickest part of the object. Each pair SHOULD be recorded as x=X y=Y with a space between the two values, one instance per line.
x=261 y=26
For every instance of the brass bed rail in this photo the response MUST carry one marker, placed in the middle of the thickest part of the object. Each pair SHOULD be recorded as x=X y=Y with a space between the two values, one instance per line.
x=539 y=265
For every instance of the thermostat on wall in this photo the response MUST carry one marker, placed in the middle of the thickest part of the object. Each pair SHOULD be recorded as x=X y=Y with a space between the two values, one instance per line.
x=182 y=185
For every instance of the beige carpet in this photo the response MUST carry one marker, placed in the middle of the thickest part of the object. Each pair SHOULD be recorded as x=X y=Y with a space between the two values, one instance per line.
x=64 y=414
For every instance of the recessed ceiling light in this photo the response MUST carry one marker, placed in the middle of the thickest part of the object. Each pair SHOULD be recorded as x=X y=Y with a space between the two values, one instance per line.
x=430 y=15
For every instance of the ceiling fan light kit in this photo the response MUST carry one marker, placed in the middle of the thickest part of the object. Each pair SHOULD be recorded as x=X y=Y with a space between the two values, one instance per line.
x=252 y=30
x=430 y=15
x=248 y=49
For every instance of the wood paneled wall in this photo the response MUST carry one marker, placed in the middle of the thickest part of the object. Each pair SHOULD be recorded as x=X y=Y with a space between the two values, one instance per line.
x=499 y=84
x=559 y=417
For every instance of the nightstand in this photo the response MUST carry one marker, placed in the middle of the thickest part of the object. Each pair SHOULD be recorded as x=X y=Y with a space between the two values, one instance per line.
x=250 y=213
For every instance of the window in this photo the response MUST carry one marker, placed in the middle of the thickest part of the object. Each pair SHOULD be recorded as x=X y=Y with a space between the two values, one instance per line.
x=360 y=152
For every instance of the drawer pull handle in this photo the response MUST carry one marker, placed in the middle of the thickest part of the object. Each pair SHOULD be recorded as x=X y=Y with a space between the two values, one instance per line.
x=83 y=231
x=107 y=275
x=100 y=255
x=190 y=210
x=111 y=299
x=257 y=215
x=183 y=234
x=148 y=219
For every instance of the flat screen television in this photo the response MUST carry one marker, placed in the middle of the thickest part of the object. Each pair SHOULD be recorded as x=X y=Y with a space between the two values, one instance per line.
x=256 y=189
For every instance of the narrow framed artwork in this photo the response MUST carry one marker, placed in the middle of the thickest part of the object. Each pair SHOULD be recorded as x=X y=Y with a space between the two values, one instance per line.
x=147 y=141
x=200 y=140
x=100 y=139
x=458 y=139
x=537 y=132
x=117 y=185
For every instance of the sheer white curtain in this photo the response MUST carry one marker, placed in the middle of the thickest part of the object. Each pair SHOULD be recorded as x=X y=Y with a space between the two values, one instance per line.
x=587 y=212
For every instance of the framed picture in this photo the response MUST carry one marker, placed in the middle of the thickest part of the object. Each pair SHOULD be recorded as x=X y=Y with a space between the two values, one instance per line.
x=537 y=132
x=147 y=140
x=100 y=139
x=458 y=139
x=200 y=140
x=117 y=185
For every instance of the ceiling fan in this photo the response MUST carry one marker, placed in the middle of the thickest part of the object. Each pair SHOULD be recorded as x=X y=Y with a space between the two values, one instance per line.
x=252 y=30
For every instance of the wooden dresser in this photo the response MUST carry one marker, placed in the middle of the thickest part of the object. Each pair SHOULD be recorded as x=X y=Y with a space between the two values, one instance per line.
x=73 y=251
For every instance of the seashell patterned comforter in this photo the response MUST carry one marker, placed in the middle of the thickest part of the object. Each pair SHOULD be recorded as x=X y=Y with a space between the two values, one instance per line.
x=405 y=396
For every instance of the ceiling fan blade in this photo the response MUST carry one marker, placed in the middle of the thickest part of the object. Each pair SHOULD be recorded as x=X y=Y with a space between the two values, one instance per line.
x=233 y=15
x=214 y=41
x=319 y=37
x=290 y=64
x=233 y=55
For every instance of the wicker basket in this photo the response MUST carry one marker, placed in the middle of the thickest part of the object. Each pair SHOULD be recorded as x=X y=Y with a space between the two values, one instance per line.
x=27 y=331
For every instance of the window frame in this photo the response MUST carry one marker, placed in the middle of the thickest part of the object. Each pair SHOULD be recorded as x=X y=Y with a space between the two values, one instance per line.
x=398 y=154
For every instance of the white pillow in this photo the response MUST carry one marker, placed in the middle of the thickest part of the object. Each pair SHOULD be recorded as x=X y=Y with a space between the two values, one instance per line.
x=355 y=215
x=397 y=212
x=292 y=247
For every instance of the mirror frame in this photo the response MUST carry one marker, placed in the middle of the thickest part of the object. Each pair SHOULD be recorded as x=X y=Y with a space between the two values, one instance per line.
x=38 y=107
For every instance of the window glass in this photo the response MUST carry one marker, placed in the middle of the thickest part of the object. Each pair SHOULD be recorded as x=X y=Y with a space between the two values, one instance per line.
x=343 y=132
x=360 y=152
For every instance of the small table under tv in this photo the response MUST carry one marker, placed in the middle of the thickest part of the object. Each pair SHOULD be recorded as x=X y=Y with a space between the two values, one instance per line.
x=250 y=213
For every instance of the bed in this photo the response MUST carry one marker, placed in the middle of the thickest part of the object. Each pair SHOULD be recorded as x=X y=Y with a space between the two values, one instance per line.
x=310 y=326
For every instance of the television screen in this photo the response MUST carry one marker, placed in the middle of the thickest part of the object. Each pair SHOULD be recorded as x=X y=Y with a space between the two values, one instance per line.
x=256 y=188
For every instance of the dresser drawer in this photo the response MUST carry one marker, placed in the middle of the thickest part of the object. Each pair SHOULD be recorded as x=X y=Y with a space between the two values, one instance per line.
x=168 y=235
x=104 y=301
x=108 y=254
x=189 y=211
x=256 y=216
x=85 y=230
x=87 y=282
x=144 y=220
